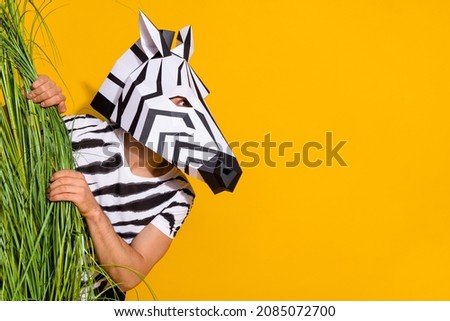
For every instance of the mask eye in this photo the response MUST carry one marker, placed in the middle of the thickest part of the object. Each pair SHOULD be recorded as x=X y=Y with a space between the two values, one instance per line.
x=180 y=101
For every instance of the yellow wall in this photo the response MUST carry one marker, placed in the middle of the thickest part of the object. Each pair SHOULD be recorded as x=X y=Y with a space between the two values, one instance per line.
x=373 y=73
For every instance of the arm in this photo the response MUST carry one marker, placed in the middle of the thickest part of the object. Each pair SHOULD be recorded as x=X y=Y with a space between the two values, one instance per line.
x=113 y=253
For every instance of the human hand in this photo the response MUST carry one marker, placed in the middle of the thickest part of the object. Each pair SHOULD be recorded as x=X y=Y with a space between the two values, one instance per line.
x=45 y=92
x=70 y=185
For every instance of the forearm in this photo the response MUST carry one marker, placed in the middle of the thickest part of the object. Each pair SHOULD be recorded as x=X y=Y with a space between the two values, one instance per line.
x=119 y=259
x=125 y=264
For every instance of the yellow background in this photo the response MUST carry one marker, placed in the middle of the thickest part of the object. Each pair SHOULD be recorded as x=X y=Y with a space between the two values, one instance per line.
x=374 y=73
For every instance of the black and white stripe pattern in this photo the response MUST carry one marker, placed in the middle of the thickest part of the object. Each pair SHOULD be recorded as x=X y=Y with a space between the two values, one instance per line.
x=131 y=202
x=136 y=96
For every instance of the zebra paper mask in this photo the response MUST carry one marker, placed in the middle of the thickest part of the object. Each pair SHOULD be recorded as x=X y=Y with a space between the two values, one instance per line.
x=137 y=94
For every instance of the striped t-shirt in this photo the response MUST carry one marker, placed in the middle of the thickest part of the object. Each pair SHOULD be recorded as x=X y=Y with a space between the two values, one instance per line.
x=131 y=202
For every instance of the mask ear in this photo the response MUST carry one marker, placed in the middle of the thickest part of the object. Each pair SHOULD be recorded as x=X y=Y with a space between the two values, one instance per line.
x=152 y=39
x=185 y=43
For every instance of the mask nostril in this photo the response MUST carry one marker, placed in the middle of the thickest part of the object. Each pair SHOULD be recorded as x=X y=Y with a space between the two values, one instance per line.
x=227 y=170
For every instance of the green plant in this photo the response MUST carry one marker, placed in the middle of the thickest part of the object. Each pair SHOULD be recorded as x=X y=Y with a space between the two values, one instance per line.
x=45 y=249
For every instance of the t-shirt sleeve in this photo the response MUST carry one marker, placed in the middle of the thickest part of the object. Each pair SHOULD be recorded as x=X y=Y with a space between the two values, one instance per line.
x=78 y=124
x=171 y=218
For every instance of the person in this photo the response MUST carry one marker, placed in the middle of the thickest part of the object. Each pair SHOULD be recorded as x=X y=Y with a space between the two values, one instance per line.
x=130 y=180
x=132 y=200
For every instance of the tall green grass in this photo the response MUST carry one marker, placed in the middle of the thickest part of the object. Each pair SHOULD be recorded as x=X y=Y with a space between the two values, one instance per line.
x=45 y=249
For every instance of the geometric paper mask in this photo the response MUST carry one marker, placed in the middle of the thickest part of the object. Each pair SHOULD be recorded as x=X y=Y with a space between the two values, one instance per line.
x=136 y=96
